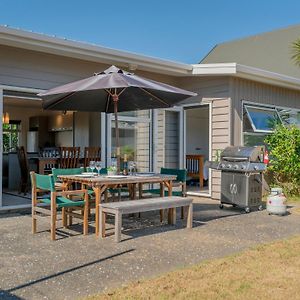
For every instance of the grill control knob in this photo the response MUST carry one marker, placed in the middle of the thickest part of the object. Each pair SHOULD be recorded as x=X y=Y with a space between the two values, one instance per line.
x=236 y=167
x=242 y=167
x=229 y=166
x=222 y=166
x=255 y=168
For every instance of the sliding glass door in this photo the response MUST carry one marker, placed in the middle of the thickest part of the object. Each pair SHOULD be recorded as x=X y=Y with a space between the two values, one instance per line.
x=135 y=132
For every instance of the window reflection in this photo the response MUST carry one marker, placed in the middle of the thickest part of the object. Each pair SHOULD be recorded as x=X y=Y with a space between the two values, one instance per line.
x=134 y=143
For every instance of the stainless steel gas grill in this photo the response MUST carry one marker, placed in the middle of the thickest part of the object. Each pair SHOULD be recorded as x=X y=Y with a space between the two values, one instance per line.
x=241 y=176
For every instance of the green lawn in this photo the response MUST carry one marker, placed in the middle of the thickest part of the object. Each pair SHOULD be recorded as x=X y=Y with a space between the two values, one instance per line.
x=294 y=199
x=270 y=271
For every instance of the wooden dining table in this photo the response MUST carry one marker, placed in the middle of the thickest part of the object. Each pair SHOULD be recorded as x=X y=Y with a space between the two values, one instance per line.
x=101 y=183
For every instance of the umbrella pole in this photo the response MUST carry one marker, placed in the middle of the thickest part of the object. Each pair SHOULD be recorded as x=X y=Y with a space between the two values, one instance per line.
x=115 y=100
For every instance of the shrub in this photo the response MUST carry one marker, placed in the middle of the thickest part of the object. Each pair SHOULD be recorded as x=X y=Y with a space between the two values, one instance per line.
x=284 y=167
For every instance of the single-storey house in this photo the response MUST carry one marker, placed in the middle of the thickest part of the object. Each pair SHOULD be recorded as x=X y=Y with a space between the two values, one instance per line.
x=239 y=85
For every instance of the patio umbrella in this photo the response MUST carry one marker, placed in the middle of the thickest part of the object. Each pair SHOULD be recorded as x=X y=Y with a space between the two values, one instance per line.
x=111 y=91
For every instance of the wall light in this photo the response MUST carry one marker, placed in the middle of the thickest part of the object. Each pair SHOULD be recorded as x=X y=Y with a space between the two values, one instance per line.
x=5 y=118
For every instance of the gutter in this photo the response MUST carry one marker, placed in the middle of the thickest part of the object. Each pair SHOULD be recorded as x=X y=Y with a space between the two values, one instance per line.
x=250 y=73
x=89 y=52
x=64 y=47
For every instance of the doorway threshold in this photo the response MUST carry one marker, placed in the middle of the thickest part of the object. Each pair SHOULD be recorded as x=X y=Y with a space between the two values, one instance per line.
x=199 y=194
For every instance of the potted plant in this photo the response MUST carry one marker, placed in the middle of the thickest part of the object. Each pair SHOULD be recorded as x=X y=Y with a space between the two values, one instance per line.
x=112 y=170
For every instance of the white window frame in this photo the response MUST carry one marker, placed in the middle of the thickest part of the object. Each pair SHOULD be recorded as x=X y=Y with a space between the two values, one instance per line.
x=183 y=128
x=263 y=106
x=10 y=131
x=245 y=106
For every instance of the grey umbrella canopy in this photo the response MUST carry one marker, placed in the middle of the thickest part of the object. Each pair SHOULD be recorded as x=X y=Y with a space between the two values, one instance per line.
x=111 y=91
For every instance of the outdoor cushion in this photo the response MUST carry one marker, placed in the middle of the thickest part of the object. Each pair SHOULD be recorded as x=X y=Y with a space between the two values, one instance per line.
x=59 y=171
x=63 y=202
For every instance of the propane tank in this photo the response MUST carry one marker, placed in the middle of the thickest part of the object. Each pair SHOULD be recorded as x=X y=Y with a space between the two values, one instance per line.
x=276 y=202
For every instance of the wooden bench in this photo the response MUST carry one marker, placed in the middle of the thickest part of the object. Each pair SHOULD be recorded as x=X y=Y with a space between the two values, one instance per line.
x=135 y=206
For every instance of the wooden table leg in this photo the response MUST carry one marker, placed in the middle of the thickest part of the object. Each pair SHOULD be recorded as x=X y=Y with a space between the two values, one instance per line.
x=97 y=203
x=172 y=212
x=86 y=214
x=98 y=192
x=162 y=194
x=140 y=190
x=133 y=191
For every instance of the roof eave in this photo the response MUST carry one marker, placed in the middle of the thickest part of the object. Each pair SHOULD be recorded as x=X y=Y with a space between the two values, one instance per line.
x=250 y=73
x=268 y=77
x=58 y=46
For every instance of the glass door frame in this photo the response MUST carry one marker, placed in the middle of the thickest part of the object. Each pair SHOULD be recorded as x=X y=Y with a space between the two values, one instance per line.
x=184 y=128
x=108 y=133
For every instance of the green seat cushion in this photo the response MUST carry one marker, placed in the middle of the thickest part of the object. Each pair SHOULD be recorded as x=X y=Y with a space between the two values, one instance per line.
x=114 y=191
x=91 y=192
x=63 y=202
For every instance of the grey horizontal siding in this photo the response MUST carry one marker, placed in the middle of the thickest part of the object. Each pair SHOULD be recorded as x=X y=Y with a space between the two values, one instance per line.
x=205 y=87
x=221 y=136
x=171 y=139
x=26 y=68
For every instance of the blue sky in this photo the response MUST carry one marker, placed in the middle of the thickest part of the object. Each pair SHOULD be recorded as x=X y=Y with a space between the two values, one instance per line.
x=176 y=30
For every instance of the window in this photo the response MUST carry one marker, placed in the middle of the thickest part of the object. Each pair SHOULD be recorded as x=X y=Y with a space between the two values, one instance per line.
x=258 y=121
x=261 y=119
x=135 y=133
x=289 y=116
x=11 y=136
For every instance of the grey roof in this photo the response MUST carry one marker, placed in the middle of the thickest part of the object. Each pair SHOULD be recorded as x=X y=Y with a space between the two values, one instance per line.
x=270 y=51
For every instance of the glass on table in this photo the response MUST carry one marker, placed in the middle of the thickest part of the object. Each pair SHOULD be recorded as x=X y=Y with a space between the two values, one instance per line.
x=131 y=167
x=98 y=166
x=92 y=166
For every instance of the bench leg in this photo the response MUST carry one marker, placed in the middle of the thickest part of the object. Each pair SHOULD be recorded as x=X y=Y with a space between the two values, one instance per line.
x=161 y=212
x=182 y=212
x=173 y=215
x=118 y=226
x=189 y=223
x=102 y=222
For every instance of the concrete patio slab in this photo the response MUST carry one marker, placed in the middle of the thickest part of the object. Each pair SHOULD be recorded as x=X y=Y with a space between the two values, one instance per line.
x=74 y=266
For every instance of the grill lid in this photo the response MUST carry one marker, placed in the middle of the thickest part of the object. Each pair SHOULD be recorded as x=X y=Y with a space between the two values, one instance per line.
x=239 y=153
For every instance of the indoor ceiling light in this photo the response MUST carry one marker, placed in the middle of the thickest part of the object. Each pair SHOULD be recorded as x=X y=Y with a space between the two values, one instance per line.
x=5 y=118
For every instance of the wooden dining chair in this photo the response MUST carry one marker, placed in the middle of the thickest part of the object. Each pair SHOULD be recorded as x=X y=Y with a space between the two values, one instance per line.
x=60 y=186
x=24 y=169
x=91 y=153
x=69 y=157
x=56 y=201
x=49 y=152
x=179 y=183
x=194 y=166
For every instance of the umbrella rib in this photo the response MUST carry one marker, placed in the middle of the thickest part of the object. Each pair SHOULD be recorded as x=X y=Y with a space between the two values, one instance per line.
x=157 y=98
x=107 y=102
x=61 y=99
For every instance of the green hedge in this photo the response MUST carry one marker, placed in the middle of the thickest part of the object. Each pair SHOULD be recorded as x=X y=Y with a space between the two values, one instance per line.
x=284 y=167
